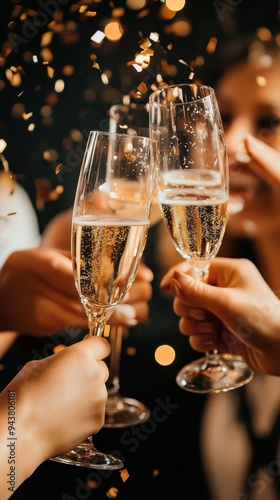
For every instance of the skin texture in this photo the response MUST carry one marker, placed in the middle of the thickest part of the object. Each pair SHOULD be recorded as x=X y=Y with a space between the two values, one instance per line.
x=42 y=431
x=235 y=312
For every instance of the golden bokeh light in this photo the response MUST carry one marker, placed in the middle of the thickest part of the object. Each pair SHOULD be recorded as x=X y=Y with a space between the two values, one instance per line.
x=164 y=355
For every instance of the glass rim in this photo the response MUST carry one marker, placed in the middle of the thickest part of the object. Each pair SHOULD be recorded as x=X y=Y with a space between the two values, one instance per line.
x=179 y=86
x=120 y=135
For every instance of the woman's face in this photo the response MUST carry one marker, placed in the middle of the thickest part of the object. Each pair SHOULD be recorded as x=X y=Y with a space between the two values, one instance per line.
x=249 y=101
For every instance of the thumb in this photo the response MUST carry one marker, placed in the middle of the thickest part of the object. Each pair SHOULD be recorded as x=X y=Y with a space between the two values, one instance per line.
x=196 y=293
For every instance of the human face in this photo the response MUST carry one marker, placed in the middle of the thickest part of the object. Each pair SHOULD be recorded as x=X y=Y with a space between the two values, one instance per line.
x=249 y=100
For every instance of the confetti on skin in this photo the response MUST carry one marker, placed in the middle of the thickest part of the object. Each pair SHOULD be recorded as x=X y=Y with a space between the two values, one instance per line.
x=59 y=348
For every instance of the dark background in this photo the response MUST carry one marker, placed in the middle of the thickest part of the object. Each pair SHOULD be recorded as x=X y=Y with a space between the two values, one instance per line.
x=166 y=463
x=22 y=24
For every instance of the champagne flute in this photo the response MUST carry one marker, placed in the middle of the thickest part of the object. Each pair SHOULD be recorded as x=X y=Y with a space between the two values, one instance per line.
x=123 y=411
x=193 y=192
x=109 y=233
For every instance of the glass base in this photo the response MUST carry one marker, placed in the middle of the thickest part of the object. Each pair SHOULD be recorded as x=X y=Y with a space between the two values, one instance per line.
x=124 y=412
x=85 y=455
x=230 y=373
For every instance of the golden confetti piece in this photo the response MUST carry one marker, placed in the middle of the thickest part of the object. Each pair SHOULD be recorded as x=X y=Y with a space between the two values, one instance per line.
x=46 y=38
x=191 y=75
x=59 y=347
x=50 y=71
x=112 y=493
x=90 y=13
x=3 y=145
x=211 y=46
x=142 y=88
x=31 y=127
x=96 y=65
x=26 y=116
x=58 y=168
x=148 y=52
x=181 y=61
x=145 y=43
x=124 y=475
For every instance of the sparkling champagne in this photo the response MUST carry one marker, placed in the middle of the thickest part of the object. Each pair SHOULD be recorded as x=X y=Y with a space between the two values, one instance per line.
x=196 y=220
x=106 y=253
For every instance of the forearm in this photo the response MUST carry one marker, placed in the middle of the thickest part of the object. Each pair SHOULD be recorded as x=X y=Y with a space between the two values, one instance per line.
x=19 y=455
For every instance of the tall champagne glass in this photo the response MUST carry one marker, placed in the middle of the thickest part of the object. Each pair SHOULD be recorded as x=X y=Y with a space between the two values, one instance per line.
x=193 y=192
x=123 y=411
x=109 y=232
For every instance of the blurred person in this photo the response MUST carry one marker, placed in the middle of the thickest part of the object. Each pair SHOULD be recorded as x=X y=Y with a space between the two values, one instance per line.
x=240 y=429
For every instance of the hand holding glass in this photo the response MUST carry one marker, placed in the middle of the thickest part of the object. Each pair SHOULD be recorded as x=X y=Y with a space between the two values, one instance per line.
x=111 y=217
x=193 y=192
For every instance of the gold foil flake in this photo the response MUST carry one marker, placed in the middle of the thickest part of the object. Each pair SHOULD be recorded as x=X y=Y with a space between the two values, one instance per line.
x=90 y=13
x=50 y=71
x=145 y=43
x=46 y=38
x=155 y=473
x=142 y=88
x=211 y=46
x=3 y=145
x=58 y=168
x=26 y=116
x=96 y=65
x=31 y=127
x=83 y=8
x=59 y=347
x=124 y=475
x=112 y=492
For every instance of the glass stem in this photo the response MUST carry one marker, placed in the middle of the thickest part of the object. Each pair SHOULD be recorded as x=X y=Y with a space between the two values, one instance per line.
x=212 y=357
x=113 y=383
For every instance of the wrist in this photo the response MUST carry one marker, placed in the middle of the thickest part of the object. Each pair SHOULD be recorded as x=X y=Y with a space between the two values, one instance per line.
x=21 y=448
